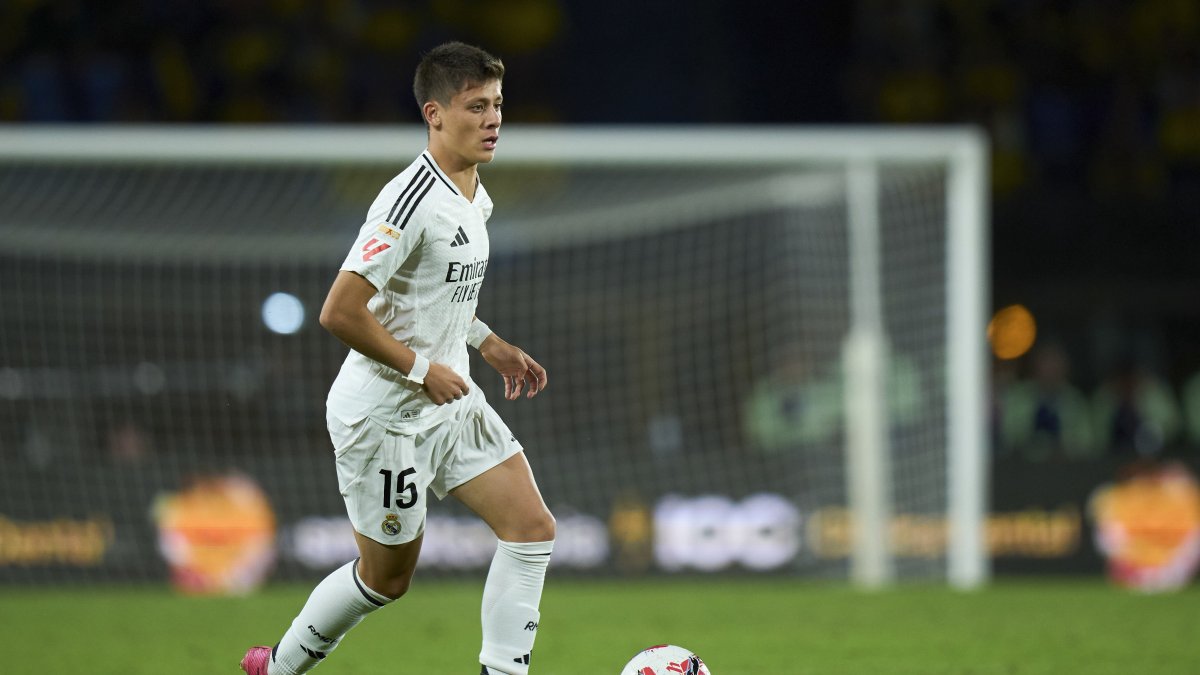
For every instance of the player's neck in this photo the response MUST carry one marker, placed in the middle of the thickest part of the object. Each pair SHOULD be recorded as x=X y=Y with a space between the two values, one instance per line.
x=464 y=175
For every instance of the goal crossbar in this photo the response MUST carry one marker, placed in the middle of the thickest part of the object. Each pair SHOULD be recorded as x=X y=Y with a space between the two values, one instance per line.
x=736 y=145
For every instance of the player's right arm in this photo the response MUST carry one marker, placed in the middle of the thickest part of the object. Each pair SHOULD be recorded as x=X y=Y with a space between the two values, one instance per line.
x=346 y=316
x=394 y=228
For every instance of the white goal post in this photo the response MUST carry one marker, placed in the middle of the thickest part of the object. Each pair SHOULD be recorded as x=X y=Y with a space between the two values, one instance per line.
x=851 y=174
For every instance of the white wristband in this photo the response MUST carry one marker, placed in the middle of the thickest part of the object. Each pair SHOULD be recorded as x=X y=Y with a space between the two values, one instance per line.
x=419 y=370
x=478 y=332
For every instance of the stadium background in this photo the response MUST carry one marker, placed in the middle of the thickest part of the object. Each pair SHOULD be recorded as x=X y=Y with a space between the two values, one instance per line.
x=1092 y=110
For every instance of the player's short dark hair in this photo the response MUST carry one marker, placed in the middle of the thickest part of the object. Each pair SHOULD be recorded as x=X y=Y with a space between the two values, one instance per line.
x=451 y=67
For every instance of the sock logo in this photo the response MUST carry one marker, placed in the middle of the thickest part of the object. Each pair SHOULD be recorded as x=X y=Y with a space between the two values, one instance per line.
x=522 y=659
x=532 y=625
x=312 y=629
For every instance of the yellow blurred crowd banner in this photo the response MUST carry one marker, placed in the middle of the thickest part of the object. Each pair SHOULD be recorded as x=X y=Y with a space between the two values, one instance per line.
x=217 y=534
x=1148 y=527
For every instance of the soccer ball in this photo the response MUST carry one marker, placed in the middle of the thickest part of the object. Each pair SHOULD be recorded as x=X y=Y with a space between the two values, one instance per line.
x=665 y=660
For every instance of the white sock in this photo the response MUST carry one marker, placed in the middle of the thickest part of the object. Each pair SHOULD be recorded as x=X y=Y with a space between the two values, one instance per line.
x=335 y=606
x=510 y=605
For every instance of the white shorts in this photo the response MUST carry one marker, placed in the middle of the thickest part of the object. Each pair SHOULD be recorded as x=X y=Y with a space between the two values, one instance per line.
x=383 y=475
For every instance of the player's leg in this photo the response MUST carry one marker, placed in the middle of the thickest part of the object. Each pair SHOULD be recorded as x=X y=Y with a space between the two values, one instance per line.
x=384 y=489
x=507 y=498
x=387 y=569
x=380 y=575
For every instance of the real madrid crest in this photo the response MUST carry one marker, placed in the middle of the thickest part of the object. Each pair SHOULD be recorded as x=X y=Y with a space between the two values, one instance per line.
x=391 y=525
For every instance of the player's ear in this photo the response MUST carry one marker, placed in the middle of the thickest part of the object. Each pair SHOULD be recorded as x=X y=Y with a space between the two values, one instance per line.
x=433 y=114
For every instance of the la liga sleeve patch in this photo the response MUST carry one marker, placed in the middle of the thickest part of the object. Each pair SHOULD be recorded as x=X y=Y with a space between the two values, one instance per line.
x=372 y=248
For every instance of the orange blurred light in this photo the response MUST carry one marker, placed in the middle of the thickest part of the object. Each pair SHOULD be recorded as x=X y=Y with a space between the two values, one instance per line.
x=1011 y=332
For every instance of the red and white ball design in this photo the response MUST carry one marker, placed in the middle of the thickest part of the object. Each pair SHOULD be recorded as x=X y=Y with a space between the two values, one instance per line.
x=665 y=660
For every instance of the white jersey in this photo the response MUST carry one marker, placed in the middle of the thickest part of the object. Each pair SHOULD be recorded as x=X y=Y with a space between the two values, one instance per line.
x=425 y=248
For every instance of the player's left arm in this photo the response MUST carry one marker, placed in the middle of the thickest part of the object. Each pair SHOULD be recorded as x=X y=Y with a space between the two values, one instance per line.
x=518 y=369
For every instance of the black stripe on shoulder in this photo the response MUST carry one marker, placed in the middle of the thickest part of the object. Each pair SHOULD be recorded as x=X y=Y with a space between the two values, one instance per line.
x=421 y=171
x=414 y=206
x=437 y=172
x=414 y=198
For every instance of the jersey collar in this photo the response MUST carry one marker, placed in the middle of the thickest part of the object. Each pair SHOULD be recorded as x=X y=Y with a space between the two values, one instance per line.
x=437 y=171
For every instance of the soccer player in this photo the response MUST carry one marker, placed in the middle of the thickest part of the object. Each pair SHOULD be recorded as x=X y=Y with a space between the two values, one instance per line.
x=403 y=413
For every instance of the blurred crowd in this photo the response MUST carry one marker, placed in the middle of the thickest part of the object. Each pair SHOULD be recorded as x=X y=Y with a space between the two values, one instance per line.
x=1092 y=108
x=1093 y=111
x=335 y=61
x=1102 y=92
x=1038 y=412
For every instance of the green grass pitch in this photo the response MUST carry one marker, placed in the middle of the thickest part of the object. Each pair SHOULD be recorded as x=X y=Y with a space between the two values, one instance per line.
x=740 y=627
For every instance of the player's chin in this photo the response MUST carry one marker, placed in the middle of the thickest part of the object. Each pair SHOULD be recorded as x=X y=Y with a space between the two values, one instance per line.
x=486 y=156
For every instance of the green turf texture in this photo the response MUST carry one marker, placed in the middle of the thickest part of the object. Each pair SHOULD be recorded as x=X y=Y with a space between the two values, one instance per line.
x=740 y=627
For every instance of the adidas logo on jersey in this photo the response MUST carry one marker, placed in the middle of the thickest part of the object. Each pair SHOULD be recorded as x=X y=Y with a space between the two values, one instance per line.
x=460 y=239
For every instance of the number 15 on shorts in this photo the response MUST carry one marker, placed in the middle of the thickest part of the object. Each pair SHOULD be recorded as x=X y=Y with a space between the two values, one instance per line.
x=405 y=492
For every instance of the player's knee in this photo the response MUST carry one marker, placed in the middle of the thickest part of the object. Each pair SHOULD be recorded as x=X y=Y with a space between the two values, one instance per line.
x=388 y=584
x=540 y=527
x=394 y=587
x=534 y=527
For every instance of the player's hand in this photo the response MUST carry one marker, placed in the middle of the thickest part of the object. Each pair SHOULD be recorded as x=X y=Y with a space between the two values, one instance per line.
x=444 y=385
x=516 y=367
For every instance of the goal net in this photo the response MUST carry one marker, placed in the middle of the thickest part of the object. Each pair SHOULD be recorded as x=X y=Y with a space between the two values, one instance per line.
x=765 y=349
